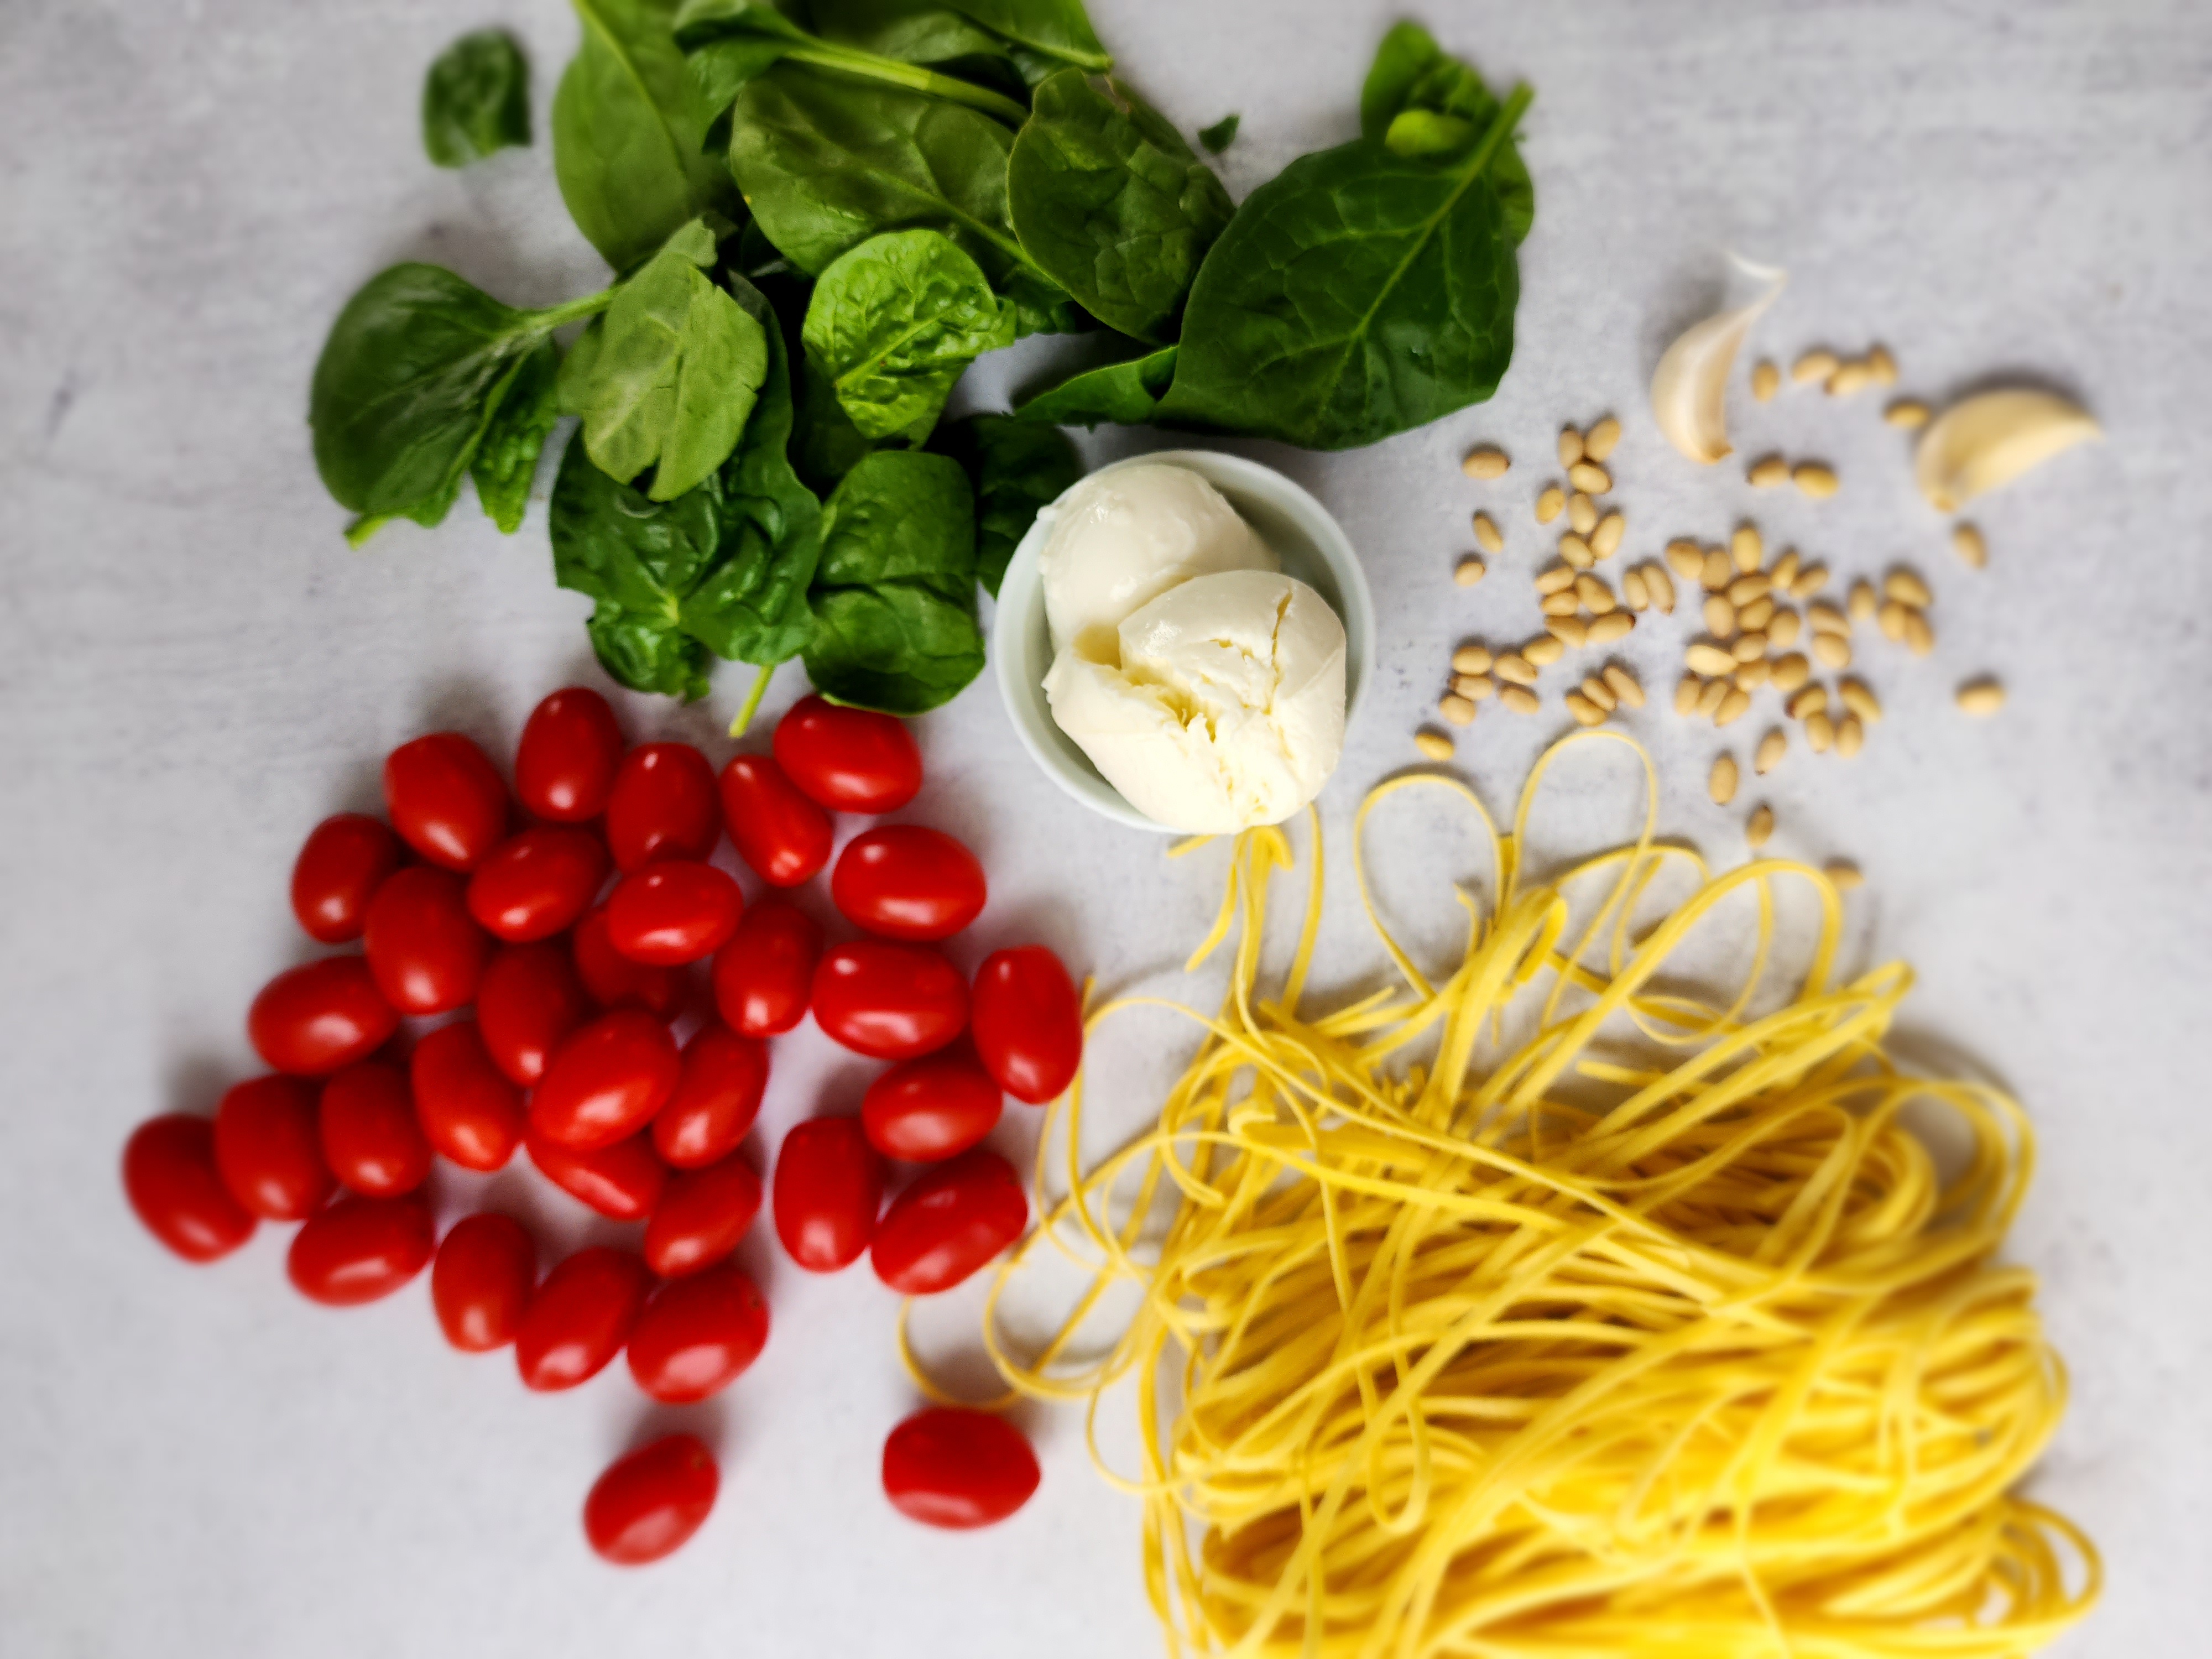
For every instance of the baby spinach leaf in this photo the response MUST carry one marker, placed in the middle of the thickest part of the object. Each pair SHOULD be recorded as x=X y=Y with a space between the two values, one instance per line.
x=1107 y=198
x=1016 y=468
x=629 y=133
x=732 y=42
x=1221 y=134
x=643 y=652
x=825 y=445
x=1059 y=28
x=1419 y=101
x=506 y=459
x=895 y=322
x=1127 y=392
x=1359 y=293
x=476 y=99
x=895 y=600
x=919 y=31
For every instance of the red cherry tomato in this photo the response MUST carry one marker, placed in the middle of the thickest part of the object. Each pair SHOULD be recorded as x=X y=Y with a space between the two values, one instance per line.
x=623 y=1182
x=889 y=1001
x=425 y=949
x=828 y=1187
x=469 y=1110
x=445 y=800
x=170 y=1177
x=649 y=1503
x=536 y=883
x=344 y=861
x=948 y=1223
x=672 y=912
x=529 y=998
x=358 y=1249
x=370 y=1138
x=1027 y=1021
x=613 y=980
x=564 y=768
x=606 y=1081
x=481 y=1283
x=765 y=975
x=310 y=1021
x=958 y=1469
x=849 y=760
x=783 y=835
x=702 y=1217
x=580 y=1318
x=269 y=1148
x=903 y=881
x=697 y=1336
x=928 y=1109
x=715 y=1100
x=662 y=807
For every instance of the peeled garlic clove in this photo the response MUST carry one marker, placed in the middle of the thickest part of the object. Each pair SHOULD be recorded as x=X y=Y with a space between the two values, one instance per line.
x=1991 y=439
x=1689 y=392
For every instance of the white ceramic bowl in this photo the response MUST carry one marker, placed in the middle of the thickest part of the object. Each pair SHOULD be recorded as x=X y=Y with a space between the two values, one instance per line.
x=1312 y=546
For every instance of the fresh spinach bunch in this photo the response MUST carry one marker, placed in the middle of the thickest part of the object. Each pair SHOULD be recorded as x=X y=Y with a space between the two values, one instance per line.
x=476 y=99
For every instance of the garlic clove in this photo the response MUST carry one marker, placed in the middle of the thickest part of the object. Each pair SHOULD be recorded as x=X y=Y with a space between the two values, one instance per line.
x=1689 y=391
x=1991 y=439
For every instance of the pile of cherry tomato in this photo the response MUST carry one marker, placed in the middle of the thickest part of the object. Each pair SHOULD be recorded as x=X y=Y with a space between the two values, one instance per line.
x=563 y=938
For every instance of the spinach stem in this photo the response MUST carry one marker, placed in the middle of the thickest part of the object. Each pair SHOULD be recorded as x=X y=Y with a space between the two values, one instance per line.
x=752 y=702
x=575 y=310
x=912 y=76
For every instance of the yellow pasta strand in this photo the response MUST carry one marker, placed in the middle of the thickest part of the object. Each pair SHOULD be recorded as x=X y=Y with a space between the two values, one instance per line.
x=1644 y=1329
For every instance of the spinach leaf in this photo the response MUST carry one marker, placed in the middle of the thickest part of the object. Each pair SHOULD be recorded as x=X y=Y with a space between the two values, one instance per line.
x=1058 y=28
x=506 y=459
x=1107 y=198
x=1127 y=392
x=730 y=42
x=1361 y=293
x=1221 y=134
x=672 y=371
x=894 y=323
x=639 y=652
x=826 y=445
x=629 y=130
x=895 y=598
x=476 y=99
x=921 y=32
x=1419 y=101
x=1016 y=468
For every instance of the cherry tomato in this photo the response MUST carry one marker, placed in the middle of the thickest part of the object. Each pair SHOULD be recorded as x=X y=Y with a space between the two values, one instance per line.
x=935 y=1108
x=469 y=1110
x=623 y=1182
x=486 y=1269
x=958 y=1469
x=903 y=881
x=529 y=1000
x=783 y=835
x=828 y=1187
x=613 y=980
x=647 y=1504
x=169 y=1175
x=580 y=1318
x=344 y=861
x=702 y=1217
x=358 y=1249
x=445 y=799
x=425 y=949
x=697 y=1336
x=950 y=1221
x=310 y=1021
x=268 y=1148
x=564 y=768
x=673 y=912
x=606 y=1081
x=536 y=883
x=889 y=1001
x=849 y=760
x=715 y=1100
x=765 y=975
x=1028 y=1022
x=662 y=807
x=370 y=1138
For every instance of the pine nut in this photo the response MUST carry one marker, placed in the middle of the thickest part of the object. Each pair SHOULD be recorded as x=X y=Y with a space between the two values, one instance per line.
x=1981 y=698
x=1544 y=650
x=1471 y=659
x=1516 y=668
x=1772 y=748
x=1661 y=587
x=1831 y=650
x=1634 y=592
x=1722 y=782
x=1612 y=627
x=1907 y=589
x=1520 y=699
x=1585 y=712
x=1720 y=617
x=1733 y=706
x=1434 y=744
x=1589 y=476
x=1457 y=709
x=1717 y=572
x=1562 y=604
x=1576 y=551
x=1850 y=736
x=1753 y=617
x=1848 y=379
x=1557 y=580
x=1744 y=589
x=1469 y=571
x=1907 y=412
x=1570 y=446
x=1599 y=693
x=1792 y=671
x=1750 y=676
x=1892 y=617
x=1595 y=595
x=1862 y=602
x=1810 y=580
x=1747 y=547
x=1685 y=694
x=1570 y=631
x=1605 y=541
x=1815 y=479
x=1761 y=830
x=1819 y=733
x=1709 y=659
x=1486 y=536
x=1550 y=504
x=1582 y=512
x=1782 y=630
x=1625 y=686
x=1826 y=619
x=1686 y=557
x=1845 y=876
x=1750 y=647
x=1487 y=461
x=1768 y=471
x=1710 y=698
x=1859 y=699
x=1598 y=443
x=1966 y=542
x=1786 y=569
x=1881 y=365
x=1815 y=364
x=1812 y=700
x=1919 y=636
x=1765 y=380
x=1475 y=688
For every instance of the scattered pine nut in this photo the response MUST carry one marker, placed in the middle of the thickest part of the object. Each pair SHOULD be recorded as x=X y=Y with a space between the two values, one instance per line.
x=1819 y=733
x=1891 y=617
x=1582 y=513
x=1550 y=504
x=1455 y=709
x=1765 y=380
x=1625 y=686
x=1862 y=604
x=1605 y=541
x=1768 y=471
x=1686 y=557
x=1632 y=590
x=1562 y=604
x=1786 y=570
x=1599 y=693
x=1544 y=650
x=1745 y=588
x=1845 y=876
x=1434 y=744
x=1598 y=443
x=1716 y=571
x=1585 y=712
x=1469 y=571
x=1850 y=379
x=1589 y=476
x=1570 y=631
x=1881 y=365
x=1831 y=650
x=1748 y=548
x=1475 y=688
x=1516 y=668
x=1860 y=699
x=1612 y=627
x=1721 y=782
x=1471 y=659
x=1520 y=699
x=1685 y=694
x=1709 y=659
x=1810 y=581
x=1850 y=736
x=1761 y=830
x=1753 y=617
x=1792 y=671
x=1907 y=589
x=1816 y=479
x=1966 y=542
x=1570 y=446
x=1661 y=587
x=1981 y=698
x=1710 y=698
x=1815 y=364
x=1720 y=617
x=1486 y=461
x=1577 y=552
x=1734 y=704
x=1808 y=703
x=1750 y=676
x=1783 y=629
x=1486 y=536
x=1907 y=412
x=1919 y=635
x=1749 y=647
x=1557 y=580
x=1826 y=619
x=1594 y=593
x=1772 y=748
